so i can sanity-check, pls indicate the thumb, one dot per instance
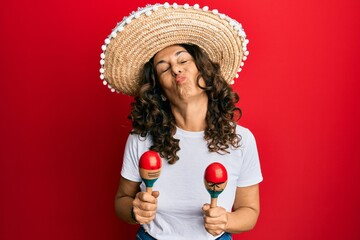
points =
(155, 194)
(206, 207)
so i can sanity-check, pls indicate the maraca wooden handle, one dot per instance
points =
(213, 202)
(149, 190)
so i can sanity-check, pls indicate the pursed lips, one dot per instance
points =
(180, 79)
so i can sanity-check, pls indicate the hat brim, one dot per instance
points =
(141, 36)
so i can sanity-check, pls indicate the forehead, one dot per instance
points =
(170, 51)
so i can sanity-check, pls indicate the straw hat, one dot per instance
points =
(145, 32)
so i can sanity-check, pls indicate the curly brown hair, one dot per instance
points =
(153, 117)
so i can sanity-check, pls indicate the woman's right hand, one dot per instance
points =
(145, 206)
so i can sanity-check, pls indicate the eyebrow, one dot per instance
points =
(176, 55)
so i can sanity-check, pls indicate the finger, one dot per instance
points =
(209, 212)
(206, 207)
(155, 194)
(144, 206)
(214, 221)
(216, 232)
(144, 216)
(144, 220)
(211, 220)
(213, 229)
(216, 212)
(146, 197)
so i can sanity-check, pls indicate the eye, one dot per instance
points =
(164, 70)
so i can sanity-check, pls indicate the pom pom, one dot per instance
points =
(128, 20)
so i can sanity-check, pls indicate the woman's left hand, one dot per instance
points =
(215, 219)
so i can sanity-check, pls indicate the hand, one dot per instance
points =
(145, 206)
(215, 219)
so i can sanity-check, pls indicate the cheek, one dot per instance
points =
(165, 82)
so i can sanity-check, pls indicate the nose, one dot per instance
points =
(176, 69)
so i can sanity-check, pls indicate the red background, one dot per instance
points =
(63, 132)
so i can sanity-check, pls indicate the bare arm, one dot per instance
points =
(124, 199)
(246, 210)
(129, 196)
(245, 213)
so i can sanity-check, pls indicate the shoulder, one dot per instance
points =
(244, 132)
(247, 137)
(137, 141)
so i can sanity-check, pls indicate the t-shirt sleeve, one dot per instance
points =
(130, 166)
(250, 172)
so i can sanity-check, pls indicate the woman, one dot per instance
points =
(185, 110)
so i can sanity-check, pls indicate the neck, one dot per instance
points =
(191, 116)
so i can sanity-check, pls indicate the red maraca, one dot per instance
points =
(150, 168)
(215, 179)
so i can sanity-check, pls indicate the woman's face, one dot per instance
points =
(177, 74)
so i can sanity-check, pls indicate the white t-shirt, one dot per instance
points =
(181, 185)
